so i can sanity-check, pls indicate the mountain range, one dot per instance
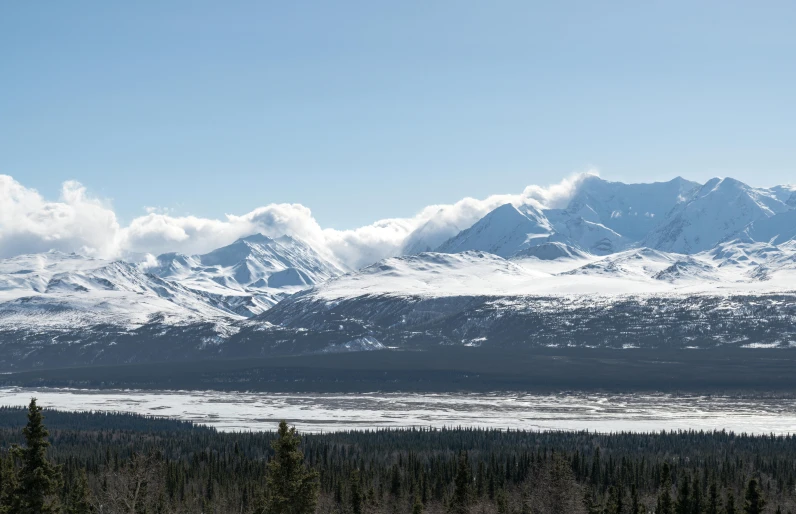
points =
(680, 247)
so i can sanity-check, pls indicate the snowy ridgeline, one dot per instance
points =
(722, 255)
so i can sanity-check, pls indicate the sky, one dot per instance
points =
(362, 111)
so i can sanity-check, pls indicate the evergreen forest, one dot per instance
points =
(77, 463)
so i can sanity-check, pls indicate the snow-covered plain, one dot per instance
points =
(331, 412)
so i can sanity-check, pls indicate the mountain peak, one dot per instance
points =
(503, 231)
(718, 184)
(257, 238)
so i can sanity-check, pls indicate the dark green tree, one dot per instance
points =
(462, 493)
(502, 502)
(8, 483)
(356, 493)
(590, 502)
(729, 508)
(417, 508)
(38, 481)
(291, 488)
(754, 499)
(79, 501)
(595, 468)
(697, 499)
(714, 500)
(665, 504)
(683, 503)
(613, 505)
(395, 481)
(635, 504)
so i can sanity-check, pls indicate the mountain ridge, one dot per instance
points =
(723, 246)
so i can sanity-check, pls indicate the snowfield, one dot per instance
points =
(329, 412)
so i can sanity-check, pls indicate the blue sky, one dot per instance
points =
(366, 110)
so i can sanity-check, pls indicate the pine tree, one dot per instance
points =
(714, 501)
(595, 468)
(683, 503)
(664, 505)
(462, 492)
(480, 480)
(8, 483)
(356, 492)
(754, 499)
(697, 501)
(635, 505)
(590, 502)
(502, 502)
(730, 507)
(417, 508)
(38, 481)
(395, 481)
(80, 497)
(291, 487)
(613, 505)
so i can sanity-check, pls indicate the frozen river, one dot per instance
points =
(328, 412)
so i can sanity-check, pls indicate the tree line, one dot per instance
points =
(122, 463)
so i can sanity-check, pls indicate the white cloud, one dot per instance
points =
(78, 222)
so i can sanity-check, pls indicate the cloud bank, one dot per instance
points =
(78, 222)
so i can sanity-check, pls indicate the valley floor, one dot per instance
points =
(453, 369)
(329, 412)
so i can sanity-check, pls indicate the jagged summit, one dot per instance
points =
(603, 218)
(715, 212)
(504, 231)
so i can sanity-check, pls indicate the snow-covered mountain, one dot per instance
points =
(778, 229)
(71, 291)
(504, 231)
(719, 209)
(263, 268)
(631, 210)
(231, 283)
(604, 218)
(601, 218)
(429, 235)
(672, 261)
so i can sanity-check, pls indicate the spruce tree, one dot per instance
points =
(417, 508)
(38, 481)
(502, 502)
(730, 507)
(590, 502)
(754, 499)
(356, 492)
(613, 505)
(683, 503)
(462, 493)
(79, 501)
(8, 483)
(665, 505)
(697, 500)
(595, 468)
(635, 505)
(291, 487)
(714, 501)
